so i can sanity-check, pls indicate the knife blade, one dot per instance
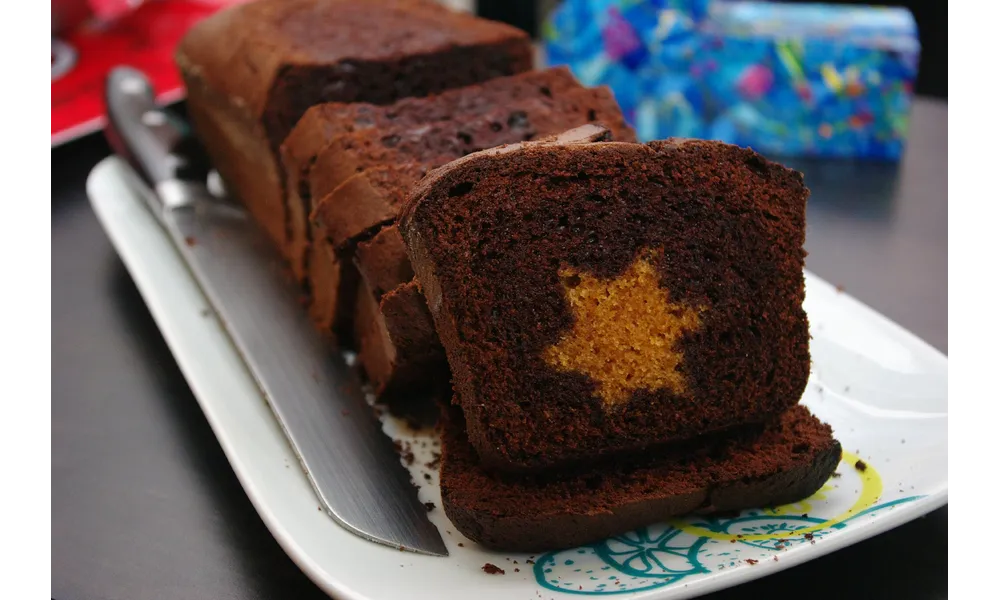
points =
(315, 395)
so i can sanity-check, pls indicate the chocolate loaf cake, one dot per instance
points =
(251, 70)
(599, 298)
(410, 150)
(323, 123)
(787, 460)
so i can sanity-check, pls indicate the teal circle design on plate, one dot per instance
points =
(662, 555)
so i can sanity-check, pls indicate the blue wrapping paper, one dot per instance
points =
(790, 80)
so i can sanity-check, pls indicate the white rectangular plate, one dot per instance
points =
(884, 391)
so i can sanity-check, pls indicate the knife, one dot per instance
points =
(314, 394)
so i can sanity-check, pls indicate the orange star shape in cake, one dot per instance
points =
(625, 333)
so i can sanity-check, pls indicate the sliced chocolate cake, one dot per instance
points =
(784, 461)
(325, 122)
(356, 190)
(252, 70)
(399, 350)
(599, 298)
(434, 144)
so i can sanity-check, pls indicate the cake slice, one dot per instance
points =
(323, 123)
(398, 348)
(599, 298)
(251, 71)
(785, 461)
(369, 202)
(383, 262)
(349, 208)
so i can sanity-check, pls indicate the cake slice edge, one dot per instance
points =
(787, 461)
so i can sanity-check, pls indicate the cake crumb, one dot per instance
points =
(840, 288)
(861, 465)
(427, 476)
(835, 475)
(808, 536)
(775, 559)
(190, 241)
(461, 545)
(435, 460)
(530, 562)
(404, 451)
(751, 562)
(516, 570)
(492, 569)
(429, 506)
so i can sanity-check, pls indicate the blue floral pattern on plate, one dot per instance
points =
(665, 554)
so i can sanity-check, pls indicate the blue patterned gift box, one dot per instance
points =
(788, 80)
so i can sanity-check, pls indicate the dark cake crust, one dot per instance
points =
(489, 235)
(787, 461)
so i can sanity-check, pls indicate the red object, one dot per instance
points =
(112, 9)
(143, 38)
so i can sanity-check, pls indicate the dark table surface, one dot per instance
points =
(145, 505)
